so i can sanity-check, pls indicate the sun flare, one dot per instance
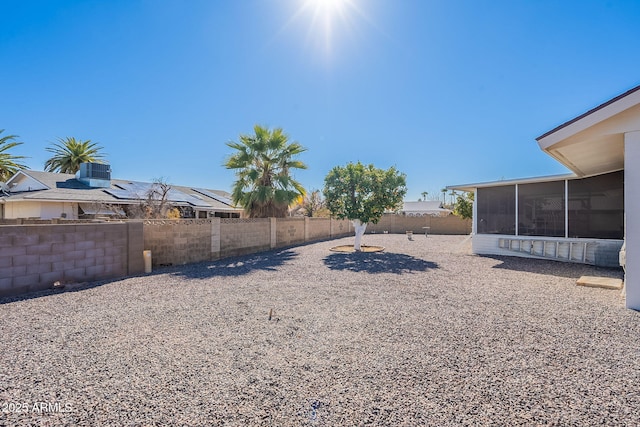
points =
(328, 19)
(327, 7)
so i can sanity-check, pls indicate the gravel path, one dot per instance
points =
(421, 334)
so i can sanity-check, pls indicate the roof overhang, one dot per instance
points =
(472, 187)
(593, 143)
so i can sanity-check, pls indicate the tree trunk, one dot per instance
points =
(360, 228)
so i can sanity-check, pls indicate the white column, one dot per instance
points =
(632, 215)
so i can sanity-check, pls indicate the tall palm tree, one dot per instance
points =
(444, 195)
(424, 195)
(68, 153)
(263, 164)
(453, 195)
(9, 163)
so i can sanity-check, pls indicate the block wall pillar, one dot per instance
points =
(215, 238)
(274, 234)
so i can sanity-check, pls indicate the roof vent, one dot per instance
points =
(95, 174)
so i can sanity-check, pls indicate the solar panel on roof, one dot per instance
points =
(140, 190)
(214, 196)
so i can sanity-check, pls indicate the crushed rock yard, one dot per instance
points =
(423, 333)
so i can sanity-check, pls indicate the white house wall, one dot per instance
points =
(632, 218)
(43, 210)
(59, 210)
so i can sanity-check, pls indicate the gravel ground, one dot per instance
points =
(421, 334)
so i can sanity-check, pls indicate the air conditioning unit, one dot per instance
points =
(95, 174)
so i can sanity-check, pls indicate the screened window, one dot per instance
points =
(541, 209)
(496, 209)
(596, 206)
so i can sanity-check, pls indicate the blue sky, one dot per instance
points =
(449, 92)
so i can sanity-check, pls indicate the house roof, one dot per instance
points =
(473, 186)
(593, 142)
(48, 186)
(425, 207)
(420, 205)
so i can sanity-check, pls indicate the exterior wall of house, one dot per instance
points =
(22, 210)
(600, 252)
(42, 210)
(33, 257)
(632, 218)
(59, 210)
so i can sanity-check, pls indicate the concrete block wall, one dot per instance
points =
(290, 231)
(242, 236)
(317, 228)
(33, 257)
(174, 242)
(393, 223)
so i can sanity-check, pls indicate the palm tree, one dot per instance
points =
(263, 161)
(9, 163)
(68, 153)
(444, 195)
(453, 195)
(424, 195)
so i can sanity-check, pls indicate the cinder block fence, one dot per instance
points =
(174, 242)
(34, 256)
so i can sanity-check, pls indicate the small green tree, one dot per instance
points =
(263, 164)
(9, 163)
(68, 153)
(463, 207)
(362, 193)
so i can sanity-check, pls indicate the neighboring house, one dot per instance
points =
(423, 208)
(585, 216)
(92, 193)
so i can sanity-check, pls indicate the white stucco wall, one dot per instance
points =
(632, 217)
(22, 210)
(43, 210)
(56, 209)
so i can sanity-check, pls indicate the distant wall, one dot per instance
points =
(33, 257)
(393, 223)
(176, 242)
(36, 253)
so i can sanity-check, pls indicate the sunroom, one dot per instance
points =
(564, 217)
(583, 217)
